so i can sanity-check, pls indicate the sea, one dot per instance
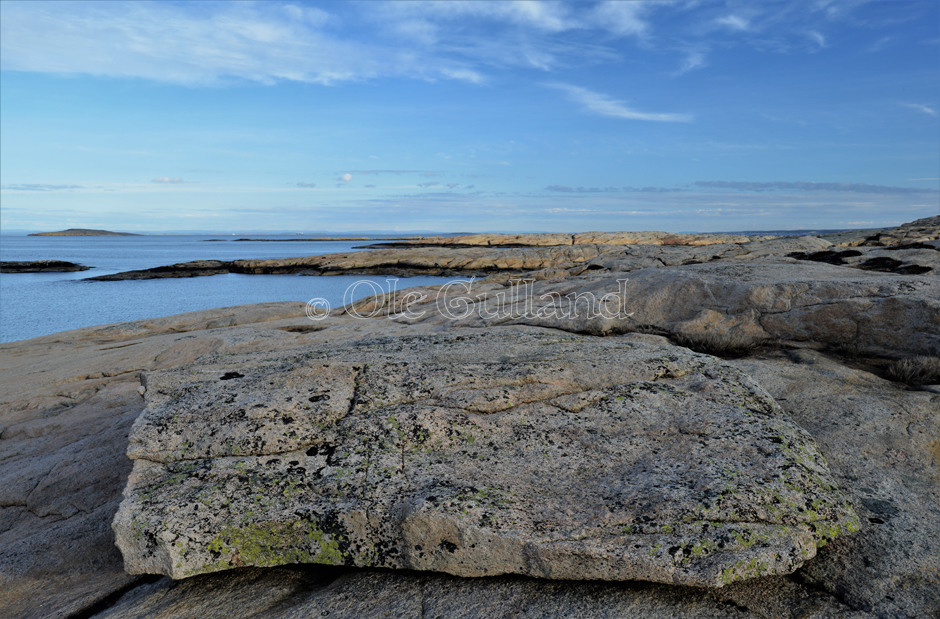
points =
(35, 304)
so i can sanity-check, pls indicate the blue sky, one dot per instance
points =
(469, 116)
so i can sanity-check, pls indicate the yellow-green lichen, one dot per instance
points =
(269, 544)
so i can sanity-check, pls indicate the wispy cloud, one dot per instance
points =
(604, 105)
(694, 60)
(811, 186)
(39, 187)
(817, 37)
(428, 18)
(269, 42)
(306, 185)
(396, 172)
(204, 44)
(734, 22)
(920, 107)
(623, 18)
(167, 180)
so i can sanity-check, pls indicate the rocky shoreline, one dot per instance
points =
(912, 249)
(710, 429)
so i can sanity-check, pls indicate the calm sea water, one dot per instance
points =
(34, 304)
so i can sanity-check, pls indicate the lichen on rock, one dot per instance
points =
(516, 450)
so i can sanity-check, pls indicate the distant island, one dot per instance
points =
(83, 232)
(41, 266)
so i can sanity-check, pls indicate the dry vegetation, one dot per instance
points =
(721, 344)
(915, 370)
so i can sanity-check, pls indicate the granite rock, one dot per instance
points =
(533, 453)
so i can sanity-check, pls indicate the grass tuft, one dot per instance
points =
(915, 370)
(720, 344)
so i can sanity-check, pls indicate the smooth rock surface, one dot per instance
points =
(548, 455)
(755, 302)
(48, 406)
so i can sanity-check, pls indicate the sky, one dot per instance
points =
(344, 117)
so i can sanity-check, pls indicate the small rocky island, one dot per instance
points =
(701, 426)
(83, 232)
(40, 266)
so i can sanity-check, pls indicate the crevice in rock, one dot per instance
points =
(112, 598)
(810, 585)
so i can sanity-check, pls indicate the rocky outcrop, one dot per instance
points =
(919, 231)
(416, 261)
(751, 303)
(915, 252)
(911, 249)
(560, 457)
(69, 401)
(581, 238)
(40, 266)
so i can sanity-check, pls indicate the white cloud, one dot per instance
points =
(202, 44)
(604, 105)
(734, 22)
(695, 60)
(168, 180)
(817, 37)
(346, 177)
(465, 75)
(544, 16)
(920, 107)
(267, 42)
(621, 18)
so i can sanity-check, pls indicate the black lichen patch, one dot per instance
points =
(448, 545)
(231, 375)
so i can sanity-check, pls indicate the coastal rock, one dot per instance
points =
(911, 250)
(752, 302)
(67, 403)
(523, 452)
(882, 442)
(297, 592)
(40, 266)
(400, 262)
(65, 392)
(908, 259)
(560, 238)
(919, 231)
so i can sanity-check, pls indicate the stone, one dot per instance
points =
(754, 301)
(302, 591)
(67, 403)
(882, 442)
(525, 452)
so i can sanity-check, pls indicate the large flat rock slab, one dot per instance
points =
(508, 451)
